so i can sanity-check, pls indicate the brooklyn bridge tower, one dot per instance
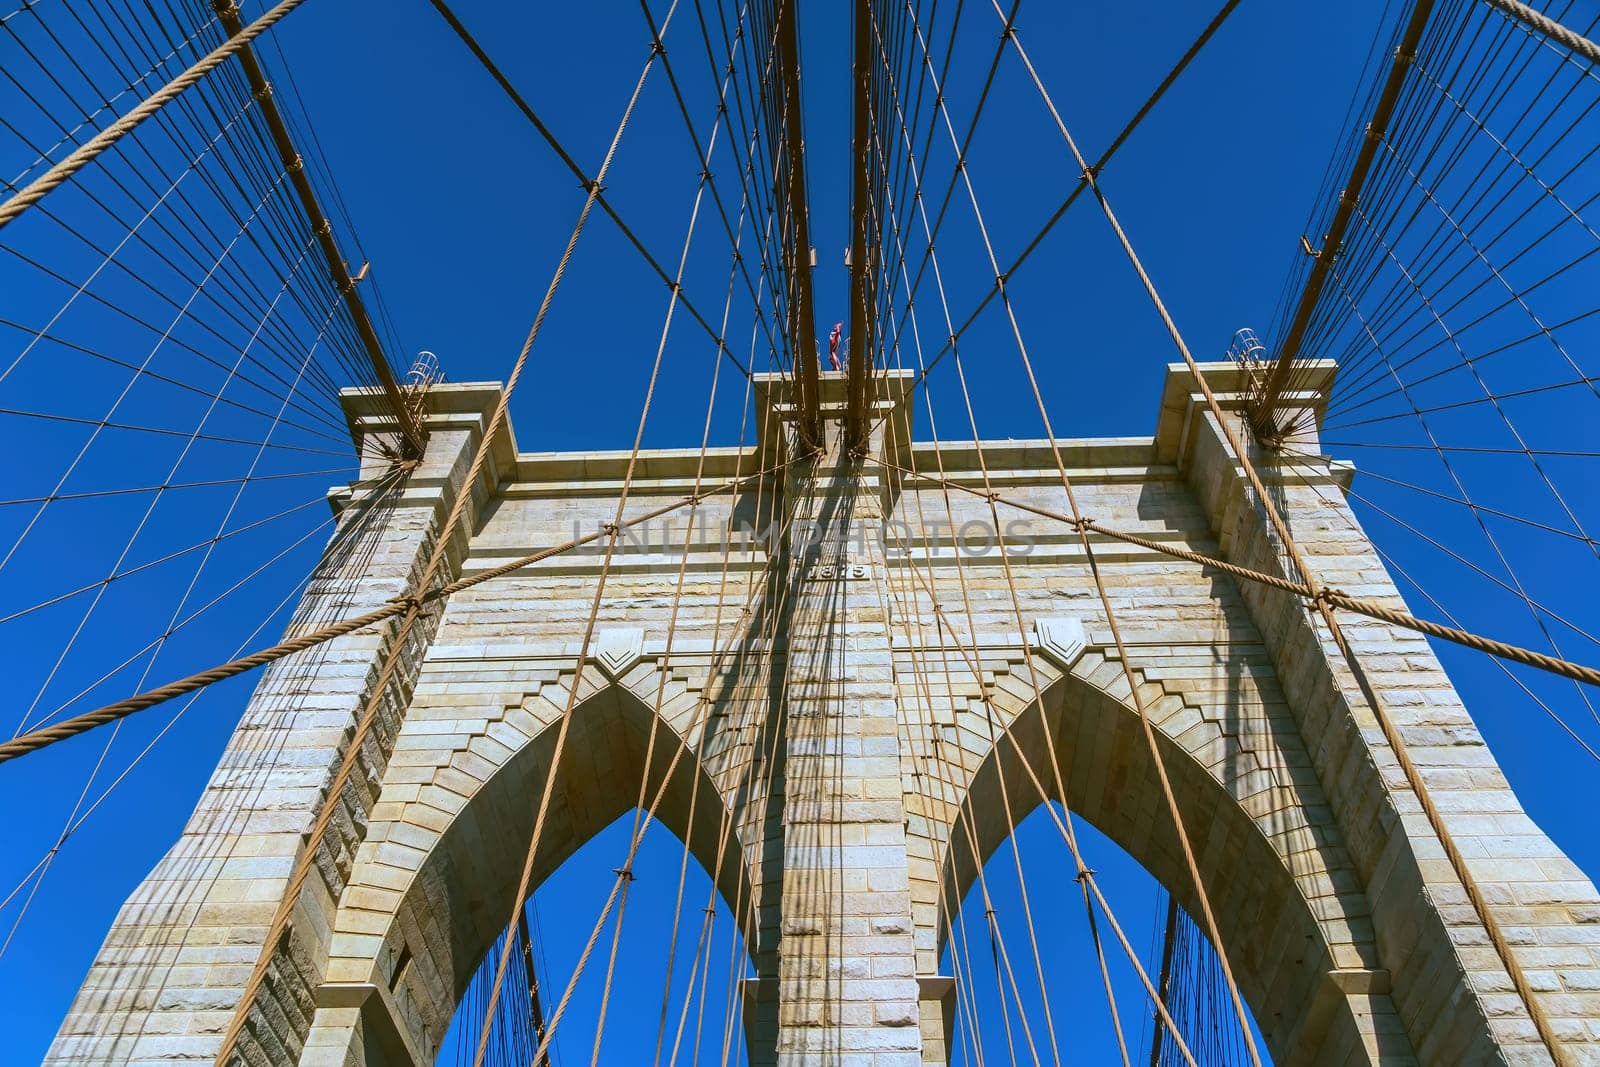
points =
(897, 706)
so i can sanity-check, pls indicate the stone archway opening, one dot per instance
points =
(1293, 935)
(1012, 1003)
(678, 978)
(430, 903)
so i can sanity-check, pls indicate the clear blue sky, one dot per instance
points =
(463, 212)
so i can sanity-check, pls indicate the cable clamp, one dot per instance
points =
(1327, 594)
(624, 873)
(408, 601)
(298, 163)
(610, 528)
(265, 92)
(1081, 524)
(1084, 874)
(657, 48)
(592, 186)
(705, 175)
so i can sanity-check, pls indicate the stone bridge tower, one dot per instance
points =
(851, 742)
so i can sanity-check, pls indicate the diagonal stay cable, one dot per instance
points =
(1393, 565)
(207, 483)
(1311, 594)
(704, 154)
(118, 575)
(89, 150)
(591, 185)
(1082, 183)
(1537, 609)
(38, 739)
(1437, 495)
(158, 430)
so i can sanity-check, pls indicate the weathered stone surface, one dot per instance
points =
(860, 711)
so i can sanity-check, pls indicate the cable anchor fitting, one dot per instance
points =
(409, 601)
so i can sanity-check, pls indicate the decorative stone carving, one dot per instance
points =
(618, 649)
(1062, 639)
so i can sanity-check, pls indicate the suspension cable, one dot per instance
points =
(81, 157)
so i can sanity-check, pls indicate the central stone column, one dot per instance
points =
(847, 985)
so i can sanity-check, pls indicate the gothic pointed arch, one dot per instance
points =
(1295, 922)
(434, 882)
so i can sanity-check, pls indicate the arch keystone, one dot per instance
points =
(618, 649)
(1061, 638)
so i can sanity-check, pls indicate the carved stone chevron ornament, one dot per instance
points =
(1061, 638)
(618, 649)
